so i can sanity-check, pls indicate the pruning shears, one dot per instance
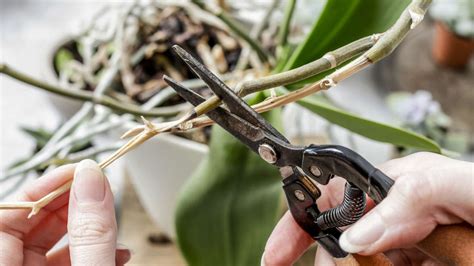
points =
(302, 168)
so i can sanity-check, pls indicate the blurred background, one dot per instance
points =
(425, 86)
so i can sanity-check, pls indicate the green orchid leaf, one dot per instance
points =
(230, 205)
(368, 128)
(341, 22)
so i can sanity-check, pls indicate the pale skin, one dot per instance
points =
(429, 190)
(86, 213)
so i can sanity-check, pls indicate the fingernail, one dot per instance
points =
(262, 260)
(89, 182)
(363, 234)
(125, 254)
(121, 246)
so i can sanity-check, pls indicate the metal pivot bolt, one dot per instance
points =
(267, 153)
(315, 170)
(299, 195)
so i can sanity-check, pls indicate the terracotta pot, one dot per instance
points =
(449, 49)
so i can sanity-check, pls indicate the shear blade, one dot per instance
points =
(187, 94)
(235, 104)
(241, 129)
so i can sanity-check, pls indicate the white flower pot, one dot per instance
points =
(158, 170)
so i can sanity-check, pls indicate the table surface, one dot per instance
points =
(136, 237)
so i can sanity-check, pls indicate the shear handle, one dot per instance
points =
(323, 162)
(302, 205)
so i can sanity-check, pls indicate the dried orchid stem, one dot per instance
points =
(261, 107)
(35, 206)
(408, 19)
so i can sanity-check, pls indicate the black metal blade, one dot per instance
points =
(235, 104)
(244, 131)
(190, 96)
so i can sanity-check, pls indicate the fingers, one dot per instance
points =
(10, 247)
(15, 228)
(323, 257)
(92, 228)
(61, 257)
(331, 194)
(286, 243)
(418, 201)
(45, 235)
(15, 222)
(122, 256)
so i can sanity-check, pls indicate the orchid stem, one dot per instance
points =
(86, 96)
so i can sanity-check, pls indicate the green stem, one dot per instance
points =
(328, 61)
(86, 96)
(320, 65)
(410, 17)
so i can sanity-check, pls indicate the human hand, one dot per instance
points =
(430, 190)
(90, 222)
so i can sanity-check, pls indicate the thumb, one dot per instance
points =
(92, 228)
(416, 204)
